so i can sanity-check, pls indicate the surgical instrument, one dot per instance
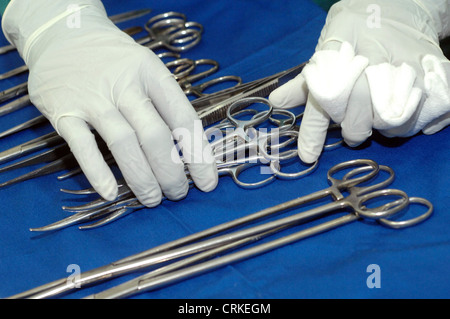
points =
(131, 15)
(58, 158)
(345, 192)
(15, 105)
(14, 72)
(186, 78)
(158, 279)
(212, 108)
(167, 23)
(40, 119)
(66, 162)
(243, 153)
(47, 156)
(47, 140)
(174, 34)
(13, 92)
(162, 23)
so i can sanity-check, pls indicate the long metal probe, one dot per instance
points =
(146, 284)
(123, 266)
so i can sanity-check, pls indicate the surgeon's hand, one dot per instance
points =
(86, 73)
(377, 65)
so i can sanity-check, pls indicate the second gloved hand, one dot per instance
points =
(377, 65)
(92, 75)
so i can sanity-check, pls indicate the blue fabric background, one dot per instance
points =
(251, 39)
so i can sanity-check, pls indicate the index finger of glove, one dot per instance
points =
(313, 131)
(291, 94)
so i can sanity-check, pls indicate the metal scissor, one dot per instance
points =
(42, 142)
(56, 154)
(213, 107)
(171, 31)
(185, 76)
(353, 193)
(249, 154)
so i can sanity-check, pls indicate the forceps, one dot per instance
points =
(106, 212)
(38, 143)
(58, 158)
(185, 76)
(212, 108)
(126, 202)
(245, 136)
(348, 193)
(171, 31)
(227, 165)
(14, 92)
(167, 22)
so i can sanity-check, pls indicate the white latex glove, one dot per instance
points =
(377, 65)
(85, 72)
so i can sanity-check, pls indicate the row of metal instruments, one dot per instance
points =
(242, 134)
(245, 133)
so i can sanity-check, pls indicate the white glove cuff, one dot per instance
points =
(25, 21)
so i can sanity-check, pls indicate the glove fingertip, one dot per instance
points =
(108, 191)
(308, 154)
(354, 139)
(291, 94)
(204, 176)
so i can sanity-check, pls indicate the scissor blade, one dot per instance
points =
(7, 48)
(30, 123)
(13, 92)
(75, 219)
(122, 17)
(16, 71)
(15, 105)
(66, 162)
(124, 191)
(48, 140)
(44, 157)
(119, 213)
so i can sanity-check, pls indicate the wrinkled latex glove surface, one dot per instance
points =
(85, 73)
(377, 65)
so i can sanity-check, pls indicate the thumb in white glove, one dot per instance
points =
(97, 76)
(437, 89)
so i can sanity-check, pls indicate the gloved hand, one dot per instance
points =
(377, 65)
(85, 72)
